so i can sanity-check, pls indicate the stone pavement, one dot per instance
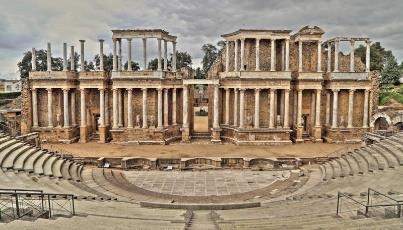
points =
(204, 183)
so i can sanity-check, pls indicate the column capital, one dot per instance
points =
(144, 39)
(101, 89)
(368, 42)
(82, 41)
(101, 40)
(319, 42)
(159, 89)
(82, 89)
(129, 89)
(129, 39)
(257, 89)
(242, 89)
(66, 89)
(352, 42)
(367, 90)
(335, 90)
(48, 89)
(258, 39)
(286, 90)
(351, 90)
(144, 89)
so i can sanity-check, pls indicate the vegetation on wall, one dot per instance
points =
(390, 94)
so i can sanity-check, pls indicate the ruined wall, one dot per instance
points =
(26, 108)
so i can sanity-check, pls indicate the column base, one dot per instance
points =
(216, 135)
(317, 134)
(102, 134)
(185, 134)
(83, 134)
(300, 130)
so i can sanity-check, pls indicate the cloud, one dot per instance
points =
(26, 24)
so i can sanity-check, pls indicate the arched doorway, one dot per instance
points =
(381, 124)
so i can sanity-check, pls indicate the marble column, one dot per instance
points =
(73, 107)
(34, 108)
(83, 117)
(236, 55)
(257, 68)
(282, 55)
(33, 59)
(173, 56)
(65, 56)
(50, 108)
(66, 108)
(227, 92)
(107, 120)
(115, 60)
(120, 108)
(159, 59)
(185, 106)
(120, 54)
(286, 124)
(145, 123)
(82, 61)
(174, 122)
(159, 126)
(300, 56)
(328, 101)
(317, 110)
(101, 107)
(242, 54)
(352, 42)
(101, 54)
(145, 54)
(350, 108)
(235, 107)
(165, 55)
(129, 108)
(367, 56)
(226, 56)
(365, 112)
(299, 108)
(216, 124)
(319, 56)
(335, 107)
(49, 57)
(336, 56)
(329, 57)
(273, 55)
(72, 64)
(271, 112)
(129, 54)
(166, 108)
(287, 54)
(257, 109)
(241, 108)
(115, 108)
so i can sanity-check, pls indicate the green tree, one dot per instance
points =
(199, 74)
(391, 72)
(108, 62)
(153, 64)
(210, 55)
(25, 64)
(183, 59)
(135, 65)
(376, 58)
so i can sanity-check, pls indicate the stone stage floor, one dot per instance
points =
(204, 183)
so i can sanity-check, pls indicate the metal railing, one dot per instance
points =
(19, 203)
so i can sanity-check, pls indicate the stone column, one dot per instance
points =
(165, 55)
(319, 56)
(72, 59)
(336, 56)
(115, 108)
(241, 108)
(235, 107)
(185, 107)
(242, 54)
(101, 107)
(34, 109)
(173, 57)
(287, 54)
(352, 56)
(120, 55)
(82, 65)
(49, 57)
(286, 124)
(64, 56)
(120, 108)
(33, 59)
(160, 126)
(144, 53)
(115, 61)
(271, 112)
(83, 117)
(367, 56)
(145, 123)
(282, 55)
(257, 54)
(329, 57)
(101, 54)
(216, 124)
(159, 59)
(129, 54)
(335, 107)
(350, 108)
(107, 107)
(328, 108)
(129, 108)
(166, 108)
(226, 56)
(273, 55)
(227, 92)
(299, 108)
(174, 106)
(365, 113)
(300, 56)
(236, 55)
(317, 110)
(50, 108)
(66, 108)
(257, 109)
(73, 107)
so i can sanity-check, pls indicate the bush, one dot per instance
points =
(12, 95)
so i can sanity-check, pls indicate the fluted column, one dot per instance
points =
(327, 108)
(227, 92)
(129, 54)
(319, 56)
(34, 109)
(120, 108)
(273, 55)
(174, 122)
(66, 108)
(335, 107)
(257, 109)
(185, 106)
(33, 59)
(49, 57)
(287, 54)
(145, 123)
(165, 55)
(226, 56)
(329, 57)
(352, 42)
(107, 120)
(367, 56)
(101, 54)
(317, 110)
(144, 53)
(120, 54)
(159, 126)
(300, 56)
(159, 59)
(115, 108)
(115, 59)
(82, 59)
(365, 112)
(166, 108)
(64, 56)
(242, 54)
(216, 123)
(241, 108)
(336, 56)
(350, 108)
(83, 115)
(236, 55)
(271, 112)
(73, 107)
(72, 59)
(129, 108)
(286, 108)
(235, 107)
(299, 108)
(257, 68)
(101, 107)
(173, 57)
(50, 109)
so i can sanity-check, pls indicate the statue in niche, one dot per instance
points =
(249, 120)
(58, 120)
(138, 121)
(152, 121)
(342, 122)
(279, 123)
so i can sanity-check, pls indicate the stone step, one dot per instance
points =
(65, 169)
(57, 168)
(40, 163)
(380, 160)
(74, 172)
(368, 158)
(394, 150)
(48, 165)
(29, 162)
(390, 158)
(345, 167)
(356, 166)
(8, 150)
(9, 161)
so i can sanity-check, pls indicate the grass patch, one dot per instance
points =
(388, 93)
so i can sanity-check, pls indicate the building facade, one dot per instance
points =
(266, 87)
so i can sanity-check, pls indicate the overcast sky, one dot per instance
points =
(31, 23)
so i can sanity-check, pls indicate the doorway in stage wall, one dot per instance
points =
(200, 112)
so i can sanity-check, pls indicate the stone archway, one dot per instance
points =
(381, 121)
